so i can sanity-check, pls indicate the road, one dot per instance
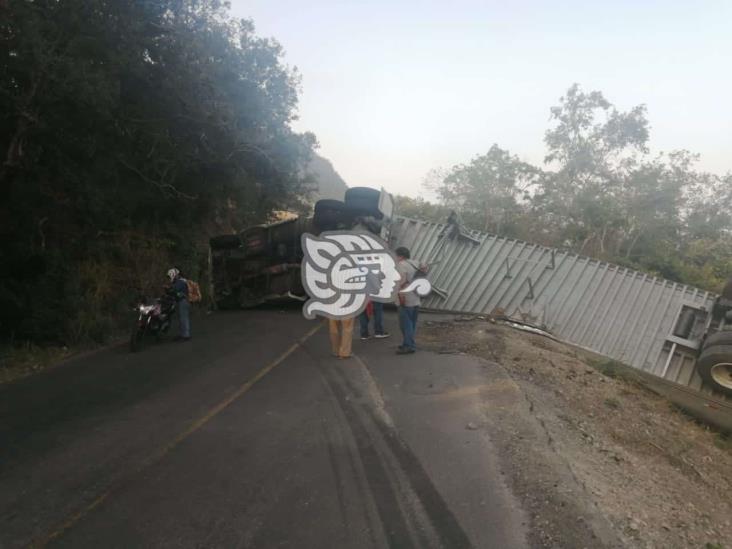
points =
(252, 435)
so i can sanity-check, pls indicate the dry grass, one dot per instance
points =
(661, 478)
(21, 361)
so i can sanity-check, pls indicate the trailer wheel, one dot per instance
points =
(364, 200)
(328, 214)
(715, 368)
(365, 195)
(719, 338)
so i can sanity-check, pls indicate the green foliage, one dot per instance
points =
(609, 368)
(23, 359)
(419, 208)
(127, 125)
(489, 191)
(329, 183)
(601, 194)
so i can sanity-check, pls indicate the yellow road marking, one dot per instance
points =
(157, 456)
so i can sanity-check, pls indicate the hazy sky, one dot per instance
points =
(395, 88)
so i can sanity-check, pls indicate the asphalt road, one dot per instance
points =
(252, 435)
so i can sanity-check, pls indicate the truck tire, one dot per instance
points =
(364, 200)
(328, 214)
(720, 338)
(363, 195)
(715, 368)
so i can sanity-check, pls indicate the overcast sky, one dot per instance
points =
(394, 88)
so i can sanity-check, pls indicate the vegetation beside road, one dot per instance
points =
(601, 192)
(131, 131)
(587, 444)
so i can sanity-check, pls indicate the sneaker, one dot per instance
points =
(404, 351)
(364, 338)
(382, 336)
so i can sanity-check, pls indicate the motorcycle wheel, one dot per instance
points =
(137, 339)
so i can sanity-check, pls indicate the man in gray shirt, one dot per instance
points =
(409, 303)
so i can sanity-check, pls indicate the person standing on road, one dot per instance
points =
(341, 337)
(409, 302)
(375, 309)
(179, 288)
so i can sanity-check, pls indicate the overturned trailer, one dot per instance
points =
(262, 263)
(669, 330)
(673, 331)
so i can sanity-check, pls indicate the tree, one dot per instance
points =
(419, 208)
(587, 145)
(130, 127)
(648, 201)
(602, 194)
(491, 191)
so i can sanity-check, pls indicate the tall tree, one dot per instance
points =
(586, 146)
(490, 191)
(602, 194)
(127, 124)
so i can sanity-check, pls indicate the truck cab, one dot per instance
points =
(262, 263)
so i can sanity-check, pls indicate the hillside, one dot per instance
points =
(330, 183)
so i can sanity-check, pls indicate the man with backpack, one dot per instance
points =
(409, 302)
(179, 288)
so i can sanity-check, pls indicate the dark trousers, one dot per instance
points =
(184, 317)
(408, 325)
(363, 319)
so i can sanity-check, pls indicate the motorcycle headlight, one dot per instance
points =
(144, 309)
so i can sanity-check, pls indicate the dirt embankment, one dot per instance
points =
(602, 461)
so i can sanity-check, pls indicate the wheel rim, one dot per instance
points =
(722, 374)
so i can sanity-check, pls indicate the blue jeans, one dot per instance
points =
(408, 325)
(184, 316)
(363, 319)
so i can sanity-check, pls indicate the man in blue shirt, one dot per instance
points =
(179, 287)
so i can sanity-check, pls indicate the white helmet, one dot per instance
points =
(173, 274)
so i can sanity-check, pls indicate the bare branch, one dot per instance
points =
(163, 187)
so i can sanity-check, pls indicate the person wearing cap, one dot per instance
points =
(179, 288)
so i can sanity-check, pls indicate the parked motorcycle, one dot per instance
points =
(153, 320)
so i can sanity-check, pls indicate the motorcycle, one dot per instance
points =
(153, 320)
